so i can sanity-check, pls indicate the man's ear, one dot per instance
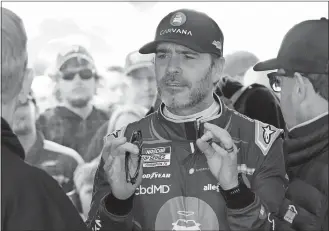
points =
(300, 87)
(217, 68)
(26, 85)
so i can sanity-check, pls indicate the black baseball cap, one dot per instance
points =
(303, 49)
(189, 28)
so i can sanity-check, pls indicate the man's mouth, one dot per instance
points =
(175, 85)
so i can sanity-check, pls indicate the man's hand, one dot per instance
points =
(221, 155)
(113, 154)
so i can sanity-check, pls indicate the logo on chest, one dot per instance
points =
(211, 187)
(156, 175)
(156, 157)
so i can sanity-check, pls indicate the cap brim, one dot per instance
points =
(271, 64)
(151, 47)
(138, 66)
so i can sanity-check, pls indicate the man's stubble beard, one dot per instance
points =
(196, 96)
(22, 128)
(79, 103)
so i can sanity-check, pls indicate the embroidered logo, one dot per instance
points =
(217, 44)
(267, 133)
(178, 19)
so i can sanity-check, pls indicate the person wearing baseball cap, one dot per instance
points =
(301, 76)
(188, 174)
(140, 69)
(75, 120)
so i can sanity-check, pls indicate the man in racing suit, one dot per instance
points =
(204, 166)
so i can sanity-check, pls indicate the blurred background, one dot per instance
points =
(110, 30)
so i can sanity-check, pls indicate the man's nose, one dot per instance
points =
(173, 66)
(76, 77)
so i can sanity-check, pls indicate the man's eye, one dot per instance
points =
(161, 56)
(188, 57)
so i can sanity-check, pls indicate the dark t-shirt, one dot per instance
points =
(64, 127)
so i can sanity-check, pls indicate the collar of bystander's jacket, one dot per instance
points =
(37, 146)
(306, 142)
(10, 140)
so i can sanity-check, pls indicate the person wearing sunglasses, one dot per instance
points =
(75, 120)
(194, 164)
(30, 198)
(301, 77)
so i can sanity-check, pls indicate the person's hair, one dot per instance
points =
(214, 57)
(320, 84)
(13, 54)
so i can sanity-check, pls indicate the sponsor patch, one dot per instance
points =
(290, 214)
(243, 116)
(153, 189)
(211, 187)
(156, 175)
(176, 31)
(156, 157)
(115, 134)
(217, 44)
(265, 135)
(262, 213)
(178, 19)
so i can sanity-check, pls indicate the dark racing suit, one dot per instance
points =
(178, 191)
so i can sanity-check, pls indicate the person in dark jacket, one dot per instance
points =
(75, 121)
(253, 99)
(140, 100)
(30, 198)
(302, 79)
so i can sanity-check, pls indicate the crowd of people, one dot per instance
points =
(182, 137)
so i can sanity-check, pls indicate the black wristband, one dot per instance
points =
(238, 197)
(118, 207)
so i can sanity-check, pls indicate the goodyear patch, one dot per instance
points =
(156, 157)
(265, 135)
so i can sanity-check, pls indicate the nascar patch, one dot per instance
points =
(156, 157)
(265, 135)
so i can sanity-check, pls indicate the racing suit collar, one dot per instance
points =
(217, 100)
(191, 129)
